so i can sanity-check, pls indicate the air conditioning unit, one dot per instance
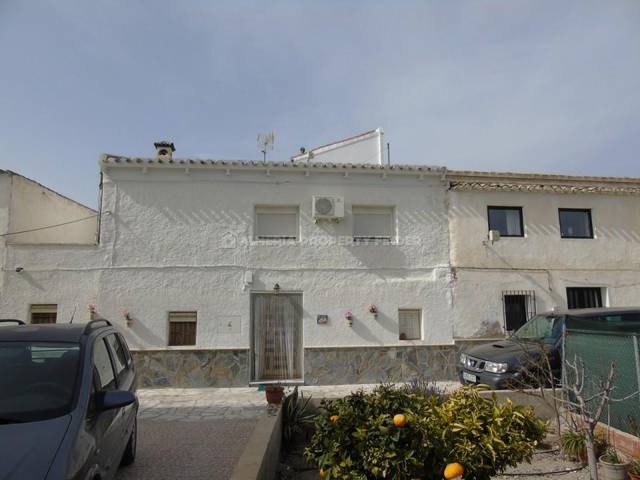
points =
(326, 207)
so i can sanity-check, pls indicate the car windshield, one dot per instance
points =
(545, 328)
(37, 380)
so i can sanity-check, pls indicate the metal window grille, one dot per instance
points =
(518, 306)
(182, 328)
(584, 297)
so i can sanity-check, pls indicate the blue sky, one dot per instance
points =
(542, 86)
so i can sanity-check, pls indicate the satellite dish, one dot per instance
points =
(265, 143)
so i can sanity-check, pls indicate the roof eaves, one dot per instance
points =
(108, 160)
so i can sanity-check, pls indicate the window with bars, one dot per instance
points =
(182, 328)
(43, 313)
(372, 224)
(276, 223)
(410, 324)
(518, 307)
(584, 297)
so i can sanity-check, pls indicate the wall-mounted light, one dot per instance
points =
(276, 288)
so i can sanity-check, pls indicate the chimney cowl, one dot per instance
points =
(164, 150)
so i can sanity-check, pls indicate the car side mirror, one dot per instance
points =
(111, 399)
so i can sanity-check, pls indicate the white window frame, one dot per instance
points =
(374, 210)
(420, 323)
(275, 210)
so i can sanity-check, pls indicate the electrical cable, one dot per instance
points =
(48, 226)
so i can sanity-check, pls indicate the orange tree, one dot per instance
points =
(366, 443)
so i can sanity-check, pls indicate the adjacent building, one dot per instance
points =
(332, 267)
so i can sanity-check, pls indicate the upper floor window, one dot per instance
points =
(276, 223)
(372, 224)
(44, 313)
(575, 223)
(506, 220)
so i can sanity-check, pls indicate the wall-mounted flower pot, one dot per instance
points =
(349, 318)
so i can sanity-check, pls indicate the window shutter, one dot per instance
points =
(276, 223)
(372, 223)
(44, 313)
(410, 324)
(182, 328)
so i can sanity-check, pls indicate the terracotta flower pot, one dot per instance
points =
(274, 395)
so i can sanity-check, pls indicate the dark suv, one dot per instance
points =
(504, 364)
(68, 402)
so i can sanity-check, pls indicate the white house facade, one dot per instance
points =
(563, 242)
(225, 273)
(333, 267)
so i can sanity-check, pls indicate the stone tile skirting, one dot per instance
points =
(322, 366)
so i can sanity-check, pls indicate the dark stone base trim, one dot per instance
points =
(322, 366)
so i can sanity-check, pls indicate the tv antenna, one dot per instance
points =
(265, 143)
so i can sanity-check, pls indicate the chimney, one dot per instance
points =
(164, 150)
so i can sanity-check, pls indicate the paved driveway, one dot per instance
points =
(199, 433)
(192, 433)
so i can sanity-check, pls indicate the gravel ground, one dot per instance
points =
(546, 462)
(187, 450)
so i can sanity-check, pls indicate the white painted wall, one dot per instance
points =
(362, 149)
(34, 206)
(172, 241)
(5, 199)
(541, 260)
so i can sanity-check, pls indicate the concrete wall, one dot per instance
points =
(541, 260)
(33, 206)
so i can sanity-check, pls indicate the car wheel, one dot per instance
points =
(130, 451)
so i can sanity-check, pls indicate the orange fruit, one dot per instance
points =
(453, 470)
(400, 420)
(334, 418)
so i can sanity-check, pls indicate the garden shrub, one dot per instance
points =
(363, 443)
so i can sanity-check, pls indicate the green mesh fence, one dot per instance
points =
(598, 350)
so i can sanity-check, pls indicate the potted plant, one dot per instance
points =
(574, 444)
(373, 310)
(349, 317)
(274, 394)
(127, 316)
(613, 467)
(634, 469)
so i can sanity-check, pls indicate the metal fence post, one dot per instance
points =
(637, 358)
(564, 350)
